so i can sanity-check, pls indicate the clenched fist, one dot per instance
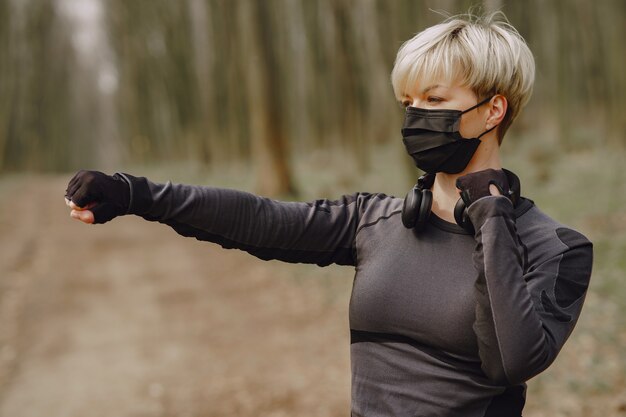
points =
(95, 197)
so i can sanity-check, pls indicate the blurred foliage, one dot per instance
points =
(89, 83)
(109, 84)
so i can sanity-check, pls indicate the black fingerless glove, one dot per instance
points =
(476, 185)
(109, 194)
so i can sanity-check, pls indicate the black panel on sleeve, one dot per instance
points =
(574, 269)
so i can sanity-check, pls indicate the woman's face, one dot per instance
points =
(450, 97)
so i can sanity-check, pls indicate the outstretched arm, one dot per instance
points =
(320, 232)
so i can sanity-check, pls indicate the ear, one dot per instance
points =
(497, 111)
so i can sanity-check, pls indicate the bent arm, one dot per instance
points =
(523, 320)
(321, 232)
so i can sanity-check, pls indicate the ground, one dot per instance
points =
(130, 319)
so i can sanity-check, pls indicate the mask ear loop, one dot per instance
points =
(486, 131)
(477, 105)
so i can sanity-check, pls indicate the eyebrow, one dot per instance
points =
(425, 90)
(432, 87)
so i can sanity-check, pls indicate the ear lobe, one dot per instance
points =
(497, 110)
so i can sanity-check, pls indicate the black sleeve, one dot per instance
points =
(523, 318)
(321, 232)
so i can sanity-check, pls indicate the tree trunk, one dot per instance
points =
(269, 148)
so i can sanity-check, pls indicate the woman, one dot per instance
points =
(464, 290)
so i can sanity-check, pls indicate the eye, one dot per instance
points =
(434, 99)
(405, 103)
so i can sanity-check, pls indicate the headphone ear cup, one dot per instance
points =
(459, 210)
(410, 208)
(461, 218)
(514, 187)
(424, 209)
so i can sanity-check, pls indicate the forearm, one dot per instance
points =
(294, 232)
(513, 345)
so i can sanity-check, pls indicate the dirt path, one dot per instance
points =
(130, 319)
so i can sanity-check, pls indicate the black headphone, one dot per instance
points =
(418, 203)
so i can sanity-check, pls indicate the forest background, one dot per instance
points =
(289, 99)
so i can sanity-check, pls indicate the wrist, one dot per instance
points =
(140, 199)
(125, 192)
(490, 206)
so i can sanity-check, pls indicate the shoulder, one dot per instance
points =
(544, 238)
(363, 202)
(362, 208)
(365, 209)
(377, 206)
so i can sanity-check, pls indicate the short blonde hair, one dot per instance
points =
(484, 53)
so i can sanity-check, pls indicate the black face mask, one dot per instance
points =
(432, 138)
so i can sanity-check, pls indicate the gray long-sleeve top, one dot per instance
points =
(442, 323)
